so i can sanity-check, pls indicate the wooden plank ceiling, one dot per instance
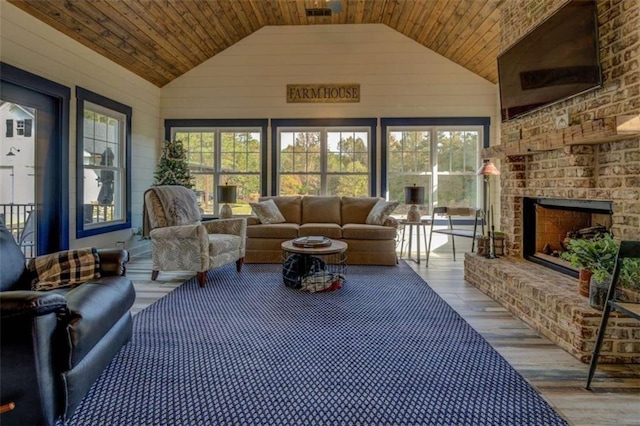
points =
(160, 40)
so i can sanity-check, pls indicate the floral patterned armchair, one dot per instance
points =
(181, 242)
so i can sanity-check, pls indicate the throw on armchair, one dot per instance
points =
(180, 242)
(55, 343)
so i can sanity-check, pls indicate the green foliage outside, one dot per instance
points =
(347, 167)
(410, 162)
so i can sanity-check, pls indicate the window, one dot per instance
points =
(20, 127)
(223, 152)
(103, 158)
(334, 159)
(440, 155)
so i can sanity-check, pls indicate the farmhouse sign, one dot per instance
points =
(323, 93)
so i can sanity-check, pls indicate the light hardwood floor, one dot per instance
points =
(559, 377)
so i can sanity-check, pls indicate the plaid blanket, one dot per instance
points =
(64, 269)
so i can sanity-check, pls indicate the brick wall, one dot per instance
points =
(605, 171)
(545, 299)
(549, 302)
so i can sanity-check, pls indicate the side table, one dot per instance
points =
(422, 225)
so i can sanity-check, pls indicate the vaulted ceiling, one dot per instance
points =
(160, 40)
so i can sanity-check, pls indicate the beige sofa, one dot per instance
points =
(342, 218)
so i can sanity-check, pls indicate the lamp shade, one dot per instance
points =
(488, 169)
(226, 193)
(413, 195)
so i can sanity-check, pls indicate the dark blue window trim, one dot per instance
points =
(53, 235)
(324, 122)
(385, 123)
(235, 122)
(83, 95)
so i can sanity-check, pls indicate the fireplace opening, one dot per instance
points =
(548, 224)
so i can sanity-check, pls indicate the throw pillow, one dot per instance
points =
(381, 211)
(64, 269)
(267, 211)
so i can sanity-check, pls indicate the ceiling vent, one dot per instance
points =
(319, 12)
(332, 6)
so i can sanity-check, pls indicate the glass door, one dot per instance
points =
(17, 168)
(34, 161)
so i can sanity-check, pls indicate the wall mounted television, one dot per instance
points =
(556, 60)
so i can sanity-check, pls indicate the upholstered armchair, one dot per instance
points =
(181, 242)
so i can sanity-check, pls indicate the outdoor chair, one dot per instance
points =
(181, 242)
(449, 213)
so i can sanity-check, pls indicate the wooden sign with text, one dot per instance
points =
(323, 93)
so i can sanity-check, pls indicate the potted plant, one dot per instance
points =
(590, 255)
(601, 280)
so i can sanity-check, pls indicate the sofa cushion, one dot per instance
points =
(330, 230)
(276, 230)
(368, 232)
(321, 209)
(290, 207)
(380, 212)
(67, 268)
(267, 212)
(94, 308)
(356, 209)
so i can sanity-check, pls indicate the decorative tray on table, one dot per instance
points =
(312, 242)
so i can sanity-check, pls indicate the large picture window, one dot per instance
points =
(333, 159)
(441, 156)
(103, 175)
(223, 153)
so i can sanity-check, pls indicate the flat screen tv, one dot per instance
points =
(556, 60)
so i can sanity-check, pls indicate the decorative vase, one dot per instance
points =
(598, 293)
(584, 278)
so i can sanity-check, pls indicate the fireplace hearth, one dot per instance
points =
(549, 222)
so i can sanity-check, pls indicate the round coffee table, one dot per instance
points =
(314, 269)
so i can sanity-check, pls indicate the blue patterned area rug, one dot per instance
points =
(385, 349)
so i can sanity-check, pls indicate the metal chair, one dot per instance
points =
(627, 249)
(449, 212)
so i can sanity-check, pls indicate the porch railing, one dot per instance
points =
(20, 221)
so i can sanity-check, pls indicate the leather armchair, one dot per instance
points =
(181, 242)
(56, 343)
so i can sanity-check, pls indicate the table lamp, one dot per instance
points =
(413, 195)
(226, 195)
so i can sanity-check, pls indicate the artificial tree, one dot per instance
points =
(173, 168)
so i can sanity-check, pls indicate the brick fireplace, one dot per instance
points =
(592, 160)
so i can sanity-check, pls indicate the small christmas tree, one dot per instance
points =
(173, 168)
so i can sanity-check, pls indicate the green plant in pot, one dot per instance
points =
(590, 255)
(599, 256)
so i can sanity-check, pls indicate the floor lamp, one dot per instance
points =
(226, 195)
(487, 170)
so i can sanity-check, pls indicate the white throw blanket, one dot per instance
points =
(180, 205)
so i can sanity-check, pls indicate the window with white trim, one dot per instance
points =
(223, 156)
(324, 161)
(441, 158)
(103, 175)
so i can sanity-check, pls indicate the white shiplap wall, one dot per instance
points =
(398, 77)
(33, 46)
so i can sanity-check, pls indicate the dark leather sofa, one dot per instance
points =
(56, 343)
